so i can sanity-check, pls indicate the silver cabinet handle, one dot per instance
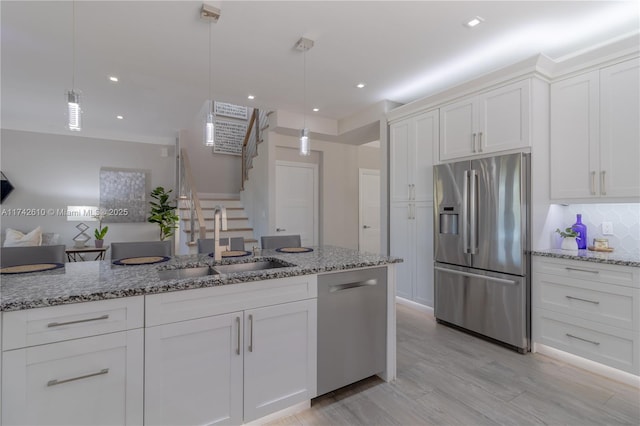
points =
(55, 382)
(480, 142)
(582, 270)
(250, 333)
(584, 340)
(238, 347)
(58, 324)
(593, 183)
(595, 302)
(280, 229)
(473, 142)
(603, 189)
(408, 191)
(345, 286)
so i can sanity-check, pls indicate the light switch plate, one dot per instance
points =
(607, 228)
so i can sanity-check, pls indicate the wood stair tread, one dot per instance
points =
(209, 219)
(228, 230)
(211, 208)
(246, 240)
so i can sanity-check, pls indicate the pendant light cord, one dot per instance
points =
(210, 100)
(73, 45)
(304, 88)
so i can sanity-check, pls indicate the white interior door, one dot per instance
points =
(297, 201)
(369, 235)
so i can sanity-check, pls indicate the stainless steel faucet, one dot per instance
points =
(219, 224)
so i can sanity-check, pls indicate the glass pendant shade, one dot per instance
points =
(209, 130)
(74, 111)
(304, 142)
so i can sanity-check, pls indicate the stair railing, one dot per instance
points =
(252, 138)
(189, 194)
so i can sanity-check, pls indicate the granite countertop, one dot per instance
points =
(591, 256)
(98, 280)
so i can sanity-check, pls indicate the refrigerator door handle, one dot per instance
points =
(473, 213)
(472, 275)
(465, 212)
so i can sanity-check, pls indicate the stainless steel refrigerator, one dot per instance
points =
(481, 248)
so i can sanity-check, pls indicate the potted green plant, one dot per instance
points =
(100, 232)
(163, 212)
(569, 241)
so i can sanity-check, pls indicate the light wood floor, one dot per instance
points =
(447, 377)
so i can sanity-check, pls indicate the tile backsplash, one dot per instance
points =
(624, 217)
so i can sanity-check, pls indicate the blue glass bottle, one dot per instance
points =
(581, 229)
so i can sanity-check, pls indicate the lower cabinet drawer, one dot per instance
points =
(608, 304)
(40, 326)
(598, 342)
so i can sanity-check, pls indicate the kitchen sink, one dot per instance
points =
(178, 274)
(250, 266)
(229, 268)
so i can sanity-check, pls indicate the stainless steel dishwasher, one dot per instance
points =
(352, 326)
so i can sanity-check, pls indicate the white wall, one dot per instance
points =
(54, 171)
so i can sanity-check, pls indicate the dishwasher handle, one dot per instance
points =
(346, 286)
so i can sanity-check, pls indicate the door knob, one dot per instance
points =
(280, 229)
(366, 227)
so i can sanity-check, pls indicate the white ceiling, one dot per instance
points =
(159, 50)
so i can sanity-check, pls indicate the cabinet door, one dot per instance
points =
(193, 372)
(457, 127)
(423, 262)
(401, 159)
(423, 155)
(574, 157)
(279, 357)
(504, 118)
(620, 130)
(402, 244)
(90, 381)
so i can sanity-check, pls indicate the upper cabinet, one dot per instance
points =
(492, 121)
(595, 134)
(413, 143)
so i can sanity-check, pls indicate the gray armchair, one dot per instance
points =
(140, 249)
(15, 256)
(206, 245)
(279, 241)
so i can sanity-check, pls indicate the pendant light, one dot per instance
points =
(74, 112)
(210, 14)
(304, 44)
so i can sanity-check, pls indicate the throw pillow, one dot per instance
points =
(18, 239)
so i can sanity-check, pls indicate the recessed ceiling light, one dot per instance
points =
(113, 78)
(316, 109)
(119, 117)
(251, 97)
(360, 85)
(473, 22)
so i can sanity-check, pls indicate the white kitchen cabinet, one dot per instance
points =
(413, 144)
(193, 371)
(412, 239)
(89, 381)
(588, 309)
(595, 130)
(279, 357)
(230, 367)
(492, 121)
(78, 364)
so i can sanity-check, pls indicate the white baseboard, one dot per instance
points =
(414, 305)
(586, 364)
(219, 195)
(289, 411)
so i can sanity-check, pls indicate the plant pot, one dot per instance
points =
(569, 243)
(99, 243)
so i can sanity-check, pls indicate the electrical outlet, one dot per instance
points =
(607, 228)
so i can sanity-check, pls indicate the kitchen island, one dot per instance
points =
(134, 345)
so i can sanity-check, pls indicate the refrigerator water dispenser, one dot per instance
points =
(449, 221)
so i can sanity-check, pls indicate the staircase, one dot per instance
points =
(237, 221)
